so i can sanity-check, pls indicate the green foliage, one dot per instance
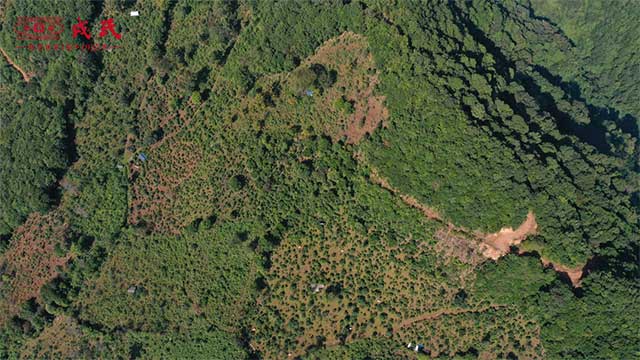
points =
(32, 153)
(489, 148)
(11, 341)
(250, 199)
(163, 267)
(343, 104)
(600, 324)
(382, 349)
(513, 280)
(603, 40)
(100, 208)
(303, 79)
(212, 344)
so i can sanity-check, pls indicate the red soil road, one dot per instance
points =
(499, 244)
(26, 76)
(439, 313)
(574, 274)
(430, 213)
(492, 246)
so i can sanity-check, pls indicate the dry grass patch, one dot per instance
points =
(31, 260)
(349, 108)
(60, 340)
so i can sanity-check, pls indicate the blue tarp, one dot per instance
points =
(142, 157)
(308, 92)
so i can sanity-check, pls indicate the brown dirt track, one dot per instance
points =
(26, 76)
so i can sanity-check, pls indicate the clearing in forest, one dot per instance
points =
(499, 244)
(332, 92)
(347, 101)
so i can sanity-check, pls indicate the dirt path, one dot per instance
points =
(439, 313)
(472, 246)
(492, 246)
(574, 274)
(25, 75)
(407, 199)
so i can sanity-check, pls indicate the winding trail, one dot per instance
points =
(26, 76)
(429, 212)
(492, 246)
(442, 312)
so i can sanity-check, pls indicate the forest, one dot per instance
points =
(357, 179)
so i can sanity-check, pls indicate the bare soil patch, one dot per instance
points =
(499, 244)
(357, 78)
(60, 340)
(574, 274)
(455, 245)
(153, 192)
(368, 114)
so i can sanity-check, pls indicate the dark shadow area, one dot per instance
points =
(593, 133)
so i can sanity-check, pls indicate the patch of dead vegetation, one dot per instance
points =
(182, 180)
(357, 78)
(368, 114)
(60, 340)
(31, 260)
(153, 190)
(455, 245)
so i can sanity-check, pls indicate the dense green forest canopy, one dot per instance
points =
(322, 180)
